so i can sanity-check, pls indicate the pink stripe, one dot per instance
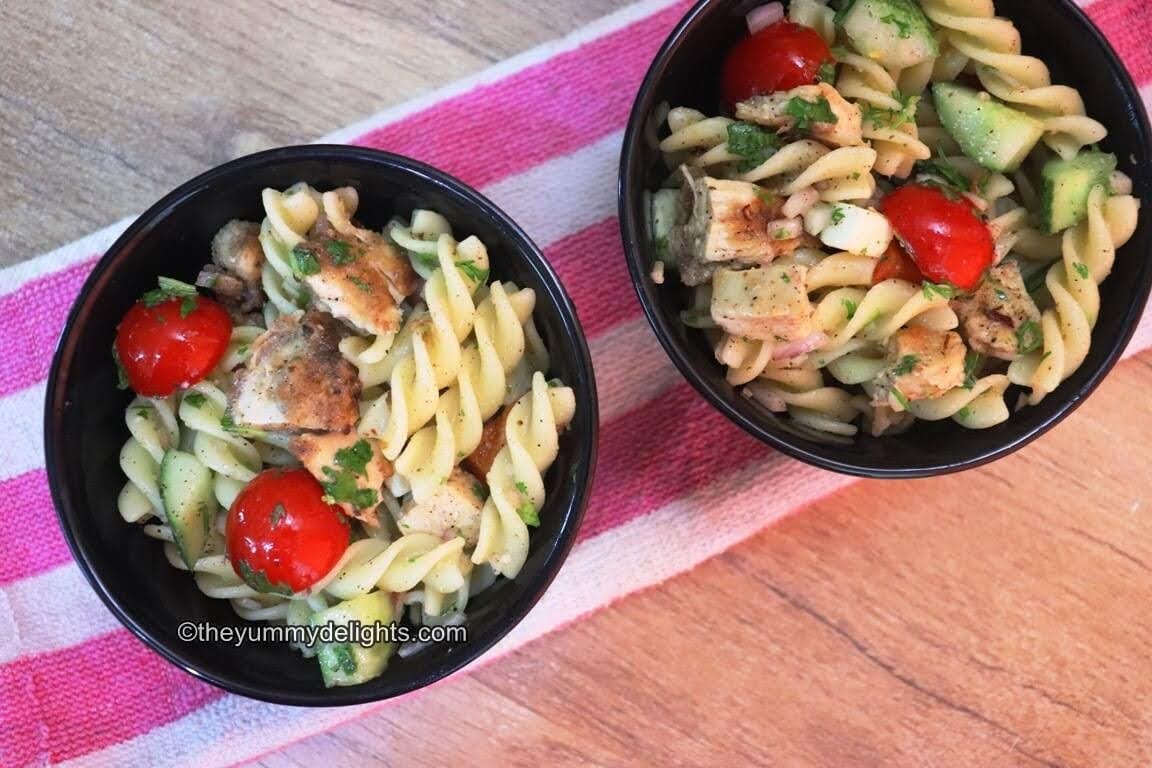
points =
(590, 264)
(28, 507)
(34, 314)
(77, 700)
(1128, 26)
(544, 111)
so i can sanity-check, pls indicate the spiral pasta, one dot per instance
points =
(1089, 251)
(516, 482)
(894, 135)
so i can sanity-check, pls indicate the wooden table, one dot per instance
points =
(997, 618)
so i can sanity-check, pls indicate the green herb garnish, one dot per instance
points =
(900, 398)
(1029, 337)
(781, 234)
(339, 252)
(902, 26)
(527, 512)
(941, 290)
(355, 458)
(808, 113)
(258, 580)
(753, 143)
(972, 364)
(278, 515)
(837, 215)
(474, 273)
(943, 173)
(304, 263)
(172, 289)
(964, 413)
(226, 423)
(1081, 269)
(341, 487)
(827, 73)
(195, 399)
(360, 283)
(906, 365)
(893, 117)
(520, 486)
(850, 308)
(121, 374)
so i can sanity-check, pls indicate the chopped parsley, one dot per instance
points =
(850, 308)
(242, 350)
(753, 143)
(906, 365)
(355, 459)
(172, 289)
(341, 486)
(360, 283)
(226, 423)
(121, 374)
(807, 113)
(781, 234)
(973, 361)
(904, 29)
(474, 273)
(893, 118)
(943, 173)
(827, 73)
(1029, 337)
(258, 580)
(837, 215)
(339, 252)
(784, 277)
(941, 290)
(143, 411)
(1081, 269)
(426, 260)
(527, 512)
(964, 413)
(304, 263)
(520, 486)
(195, 399)
(900, 398)
(278, 515)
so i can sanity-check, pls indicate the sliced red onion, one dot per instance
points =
(764, 16)
(800, 347)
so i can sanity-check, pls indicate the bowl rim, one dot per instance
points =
(630, 183)
(576, 345)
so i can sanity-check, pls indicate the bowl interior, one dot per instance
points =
(85, 418)
(686, 73)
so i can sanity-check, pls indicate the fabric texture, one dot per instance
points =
(76, 688)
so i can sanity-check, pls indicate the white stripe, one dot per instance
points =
(11, 278)
(22, 448)
(48, 611)
(631, 368)
(616, 563)
(506, 68)
(563, 195)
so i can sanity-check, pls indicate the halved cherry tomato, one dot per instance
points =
(779, 57)
(172, 344)
(945, 238)
(896, 264)
(282, 536)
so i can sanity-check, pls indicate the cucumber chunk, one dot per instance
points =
(1067, 184)
(189, 502)
(993, 134)
(895, 33)
(352, 663)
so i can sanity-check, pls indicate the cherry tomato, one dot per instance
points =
(945, 238)
(166, 346)
(282, 536)
(895, 263)
(779, 57)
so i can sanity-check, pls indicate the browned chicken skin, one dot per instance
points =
(923, 364)
(297, 379)
(317, 452)
(491, 441)
(235, 272)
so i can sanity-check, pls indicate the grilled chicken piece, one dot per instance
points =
(317, 452)
(766, 303)
(721, 220)
(491, 441)
(772, 110)
(992, 316)
(453, 510)
(358, 279)
(296, 379)
(234, 274)
(922, 364)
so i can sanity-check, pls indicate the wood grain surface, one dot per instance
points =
(996, 618)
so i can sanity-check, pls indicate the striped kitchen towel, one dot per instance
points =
(76, 688)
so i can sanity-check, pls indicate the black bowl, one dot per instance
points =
(686, 73)
(84, 419)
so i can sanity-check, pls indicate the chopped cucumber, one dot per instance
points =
(189, 502)
(352, 663)
(1067, 184)
(895, 33)
(664, 205)
(994, 135)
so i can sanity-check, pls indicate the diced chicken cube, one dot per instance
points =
(320, 455)
(358, 280)
(296, 379)
(453, 510)
(720, 220)
(922, 364)
(765, 303)
(491, 441)
(992, 316)
(234, 274)
(772, 110)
